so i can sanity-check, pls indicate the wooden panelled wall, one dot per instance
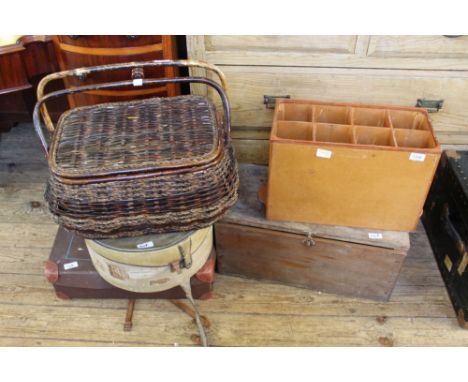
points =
(394, 70)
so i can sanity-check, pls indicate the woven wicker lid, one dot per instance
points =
(133, 136)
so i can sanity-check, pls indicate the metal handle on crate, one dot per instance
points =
(452, 231)
(151, 81)
(83, 72)
(431, 105)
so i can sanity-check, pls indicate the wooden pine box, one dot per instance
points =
(343, 260)
(351, 165)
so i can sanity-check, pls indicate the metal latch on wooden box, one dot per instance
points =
(270, 101)
(309, 240)
(431, 105)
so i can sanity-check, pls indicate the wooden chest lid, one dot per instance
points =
(250, 211)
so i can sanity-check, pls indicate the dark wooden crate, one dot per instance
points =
(445, 220)
(83, 281)
(333, 259)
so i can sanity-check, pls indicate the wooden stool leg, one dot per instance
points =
(188, 310)
(128, 318)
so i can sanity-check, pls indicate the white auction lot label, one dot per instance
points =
(71, 265)
(418, 157)
(322, 153)
(148, 244)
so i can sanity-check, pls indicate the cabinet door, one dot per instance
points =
(110, 41)
(306, 44)
(272, 50)
(356, 51)
(419, 46)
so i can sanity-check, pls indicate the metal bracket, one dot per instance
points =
(185, 256)
(463, 264)
(309, 241)
(432, 105)
(270, 101)
(137, 76)
(82, 76)
(138, 73)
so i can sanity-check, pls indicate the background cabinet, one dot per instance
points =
(88, 50)
(393, 70)
(25, 60)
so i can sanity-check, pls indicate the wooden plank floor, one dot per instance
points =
(242, 312)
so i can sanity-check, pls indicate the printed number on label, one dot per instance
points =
(71, 265)
(322, 153)
(148, 244)
(418, 157)
(375, 235)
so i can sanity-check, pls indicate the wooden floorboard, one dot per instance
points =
(242, 312)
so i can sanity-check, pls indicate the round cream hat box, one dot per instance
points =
(149, 250)
(151, 263)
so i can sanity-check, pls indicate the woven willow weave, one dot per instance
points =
(179, 202)
(139, 167)
(135, 134)
(163, 132)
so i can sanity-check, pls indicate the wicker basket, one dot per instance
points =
(138, 167)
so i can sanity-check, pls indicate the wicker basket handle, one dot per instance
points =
(80, 72)
(111, 85)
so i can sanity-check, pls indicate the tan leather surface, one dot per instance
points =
(148, 257)
(141, 279)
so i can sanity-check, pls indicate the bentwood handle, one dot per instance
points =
(83, 72)
(151, 81)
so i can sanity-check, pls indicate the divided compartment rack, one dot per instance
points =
(354, 165)
(138, 167)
